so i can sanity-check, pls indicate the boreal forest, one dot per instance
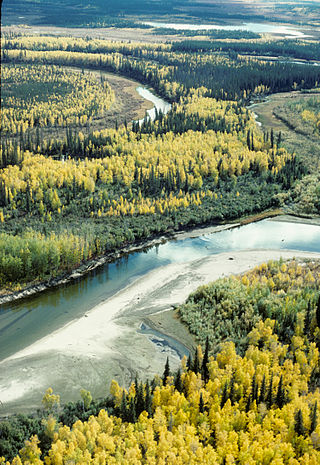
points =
(86, 173)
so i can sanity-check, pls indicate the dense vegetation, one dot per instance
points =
(268, 48)
(171, 73)
(66, 200)
(228, 309)
(44, 96)
(129, 185)
(258, 407)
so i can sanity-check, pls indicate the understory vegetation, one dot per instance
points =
(256, 400)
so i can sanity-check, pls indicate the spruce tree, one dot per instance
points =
(166, 372)
(253, 388)
(132, 416)
(139, 399)
(205, 361)
(201, 404)
(232, 391)
(298, 425)
(272, 138)
(224, 396)
(313, 417)
(148, 400)
(270, 393)
(280, 398)
(178, 381)
(307, 319)
(196, 364)
(318, 311)
(262, 396)
(124, 407)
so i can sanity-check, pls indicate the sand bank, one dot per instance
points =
(105, 343)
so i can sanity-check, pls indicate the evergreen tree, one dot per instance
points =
(262, 396)
(279, 139)
(280, 398)
(139, 399)
(201, 404)
(196, 364)
(178, 381)
(307, 319)
(298, 425)
(318, 311)
(224, 396)
(132, 416)
(189, 362)
(270, 393)
(166, 372)
(253, 388)
(124, 407)
(205, 361)
(313, 417)
(232, 391)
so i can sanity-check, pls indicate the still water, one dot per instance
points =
(259, 28)
(24, 322)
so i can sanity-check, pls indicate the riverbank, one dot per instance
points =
(97, 343)
(32, 289)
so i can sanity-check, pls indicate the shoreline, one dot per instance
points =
(31, 289)
(109, 328)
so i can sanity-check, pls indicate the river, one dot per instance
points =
(159, 103)
(86, 333)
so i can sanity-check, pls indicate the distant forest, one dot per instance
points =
(124, 13)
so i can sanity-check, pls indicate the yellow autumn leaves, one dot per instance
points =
(48, 96)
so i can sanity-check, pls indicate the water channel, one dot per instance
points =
(168, 271)
(24, 322)
(86, 333)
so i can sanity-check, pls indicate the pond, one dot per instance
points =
(259, 28)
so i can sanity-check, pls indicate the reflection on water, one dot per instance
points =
(24, 322)
(258, 28)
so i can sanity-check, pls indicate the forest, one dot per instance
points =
(69, 194)
(81, 193)
(249, 395)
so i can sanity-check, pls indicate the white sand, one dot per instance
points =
(104, 344)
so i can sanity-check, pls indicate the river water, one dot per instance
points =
(159, 103)
(24, 322)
